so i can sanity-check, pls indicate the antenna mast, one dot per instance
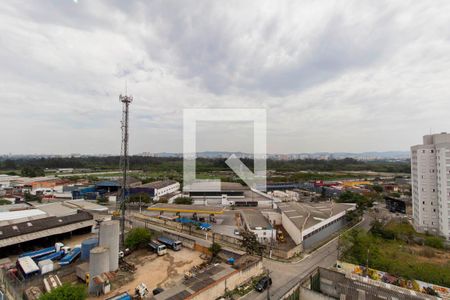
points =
(124, 164)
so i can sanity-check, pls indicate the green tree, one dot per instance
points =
(102, 199)
(32, 171)
(353, 216)
(378, 188)
(183, 200)
(140, 197)
(362, 202)
(137, 238)
(215, 249)
(66, 292)
(28, 197)
(251, 244)
(396, 194)
(4, 202)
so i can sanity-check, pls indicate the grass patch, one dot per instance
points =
(396, 256)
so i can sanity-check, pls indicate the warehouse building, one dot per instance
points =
(25, 234)
(157, 189)
(24, 227)
(257, 223)
(113, 186)
(311, 223)
(210, 190)
(226, 194)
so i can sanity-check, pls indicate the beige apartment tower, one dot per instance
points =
(430, 179)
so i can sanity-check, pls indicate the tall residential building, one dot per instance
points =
(430, 171)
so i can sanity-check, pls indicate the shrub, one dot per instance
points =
(4, 202)
(137, 237)
(183, 200)
(435, 242)
(66, 292)
(215, 249)
(140, 197)
(428, 252)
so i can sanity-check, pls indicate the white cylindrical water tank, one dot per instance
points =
(109, 238)
(98, 264)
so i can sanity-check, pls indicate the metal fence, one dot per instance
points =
(15, 287)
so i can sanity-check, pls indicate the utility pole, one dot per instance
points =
(367, 263)
(268, 287)
(124, 163)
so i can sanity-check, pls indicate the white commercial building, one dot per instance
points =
(311, 223)
(6, 180)
(430, 170)
(161, 188)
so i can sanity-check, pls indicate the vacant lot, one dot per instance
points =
(155, 271)
(397, 257)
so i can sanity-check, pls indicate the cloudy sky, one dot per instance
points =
(333, 75)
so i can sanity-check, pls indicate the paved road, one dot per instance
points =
(284, 275)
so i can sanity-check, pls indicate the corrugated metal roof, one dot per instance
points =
(83, 204)
(159, 184)
(209, 186)
(19, 214)
(187, 208)
(45, 233)
(19, 229)
(13, 207)
(57, 209)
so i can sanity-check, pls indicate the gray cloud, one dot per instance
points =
(358, 76)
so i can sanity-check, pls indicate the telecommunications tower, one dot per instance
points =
(124, 165)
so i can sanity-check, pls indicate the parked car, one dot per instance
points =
(237, 232)
(263, 284)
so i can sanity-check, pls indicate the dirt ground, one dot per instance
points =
(155, 271)
(437, 257)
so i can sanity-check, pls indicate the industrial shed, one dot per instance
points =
(18, 233)
(311, 223)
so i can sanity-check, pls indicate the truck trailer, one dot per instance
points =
(123, 296)
(70, 257)
(172, 244)
(53, 256)
(27, 266)
(42, 252)
(157, 247)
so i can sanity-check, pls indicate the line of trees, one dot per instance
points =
(203, 164)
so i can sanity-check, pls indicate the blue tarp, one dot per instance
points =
(69, 258)
(107, 184)
(202, 225)
(39, 253)
(53, 256)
